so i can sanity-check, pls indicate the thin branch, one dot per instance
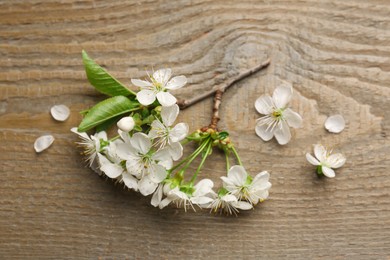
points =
(183, 104)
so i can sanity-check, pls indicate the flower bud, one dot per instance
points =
(126, 124)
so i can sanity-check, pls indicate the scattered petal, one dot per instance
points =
(335, 124)
(60, 112)
(43, 142)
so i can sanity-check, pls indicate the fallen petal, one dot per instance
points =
(335, 124)
(43, 142)
(60, 112)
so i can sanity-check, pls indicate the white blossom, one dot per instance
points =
(90, 144)
(229, 204)
(180, 198)
(158, 86)
(325, 161)
(239, 184)
(143, 163)
(278, 117)
(167, 135)
(203, 193)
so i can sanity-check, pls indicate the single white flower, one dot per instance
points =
(91, 144)
(167, 136)
(229, 204)
(180, 198)
(203, 193)
(145, 164)
(112, 167)
(325, 160)
(278, 117)
(126, 124)
(158, 86)
(241, 185)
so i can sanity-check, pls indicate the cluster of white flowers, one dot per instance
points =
(144, 160)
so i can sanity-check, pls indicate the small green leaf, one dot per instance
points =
(223, 135)
(107, 109)
(102, 80)
(107, 124)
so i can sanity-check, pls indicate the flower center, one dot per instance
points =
(277, 113)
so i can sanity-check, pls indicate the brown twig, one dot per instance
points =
(183, 104)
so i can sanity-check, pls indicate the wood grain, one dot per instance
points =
(336, 54)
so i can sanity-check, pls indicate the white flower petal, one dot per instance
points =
(335, 160)
(203, 187)
(263, 131)
(282, 95)
(169, 114)
(141, 142)
(203, 201)
(130, 181)
(165, 202)
(110, 169)
(43, 142)
(81, 134)
(166, 99)
(146, 186)
(146, 97)
(162, 75)
(157, 129)
(157, 196)
(179, 132)
(124, 151)
(141, 83)
(312, 160)
(229, 198)
(176, 82)
(264, 105)
(242, 205)
(328, 172)
(175, 150)
(335, 124)
(237, 174)
(60, 112)
(124, 135)
(260, 181)
(293, 118)
(157, 173)
(282, 133)
(101, 135)
(320, 152)
(163, 157)
(126, 124)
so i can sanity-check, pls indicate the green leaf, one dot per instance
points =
(107, 109)
(107, 124)
(223, 135)
(102, 80)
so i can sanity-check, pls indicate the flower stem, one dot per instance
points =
(203, 146)
(202, 162)
(227, 160)
(190, 157)
(237, 156)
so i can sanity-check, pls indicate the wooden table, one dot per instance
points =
(336, 54)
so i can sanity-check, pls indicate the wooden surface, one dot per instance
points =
(336, 54)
